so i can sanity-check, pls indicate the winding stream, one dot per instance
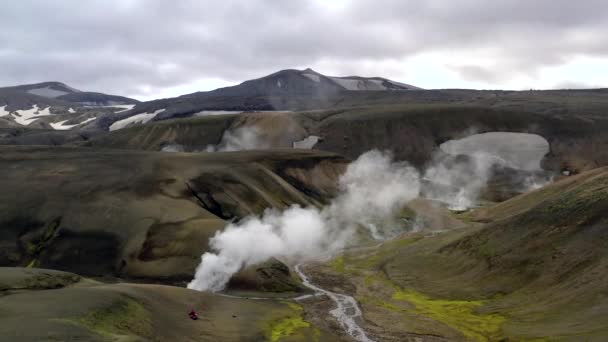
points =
(346, 312)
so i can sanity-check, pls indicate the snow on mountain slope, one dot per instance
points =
(313, 77)
(61, 126)
(369, 84)
(47, 92)
(27, 116)
(124, 108)
(135, 119)
(3, 111)
(285, 90)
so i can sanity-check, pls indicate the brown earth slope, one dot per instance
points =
(142, 214)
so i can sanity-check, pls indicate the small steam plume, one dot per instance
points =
(242, 138)
(373, 190)
(458, 181)
(462, 170)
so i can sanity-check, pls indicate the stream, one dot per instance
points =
(346, 312)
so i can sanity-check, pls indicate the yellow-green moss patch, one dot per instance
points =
(338, 264)
(126, 320)
(287, 326)
(458, 314)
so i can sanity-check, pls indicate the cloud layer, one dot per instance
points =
(140, 47)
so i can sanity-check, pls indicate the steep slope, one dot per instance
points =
(142, 214)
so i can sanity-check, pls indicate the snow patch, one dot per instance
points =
(125, 108)
(3, 111)
(279, 84)
(47, 92)
(60, 126)
(313, 77)
(27, 116)
(135, 119)
(87, 121)
(347, 83)
(368, 84)
(71, 110)
(216, 112)
(306, 143)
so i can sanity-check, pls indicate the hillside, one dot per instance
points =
(43, 304)
(538, 272)
(142, 214)
(411, 132)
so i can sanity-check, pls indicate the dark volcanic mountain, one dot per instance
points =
(284, 90)
(55, 105)
(61, 91)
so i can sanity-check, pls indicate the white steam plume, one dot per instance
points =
(373, 189)
(459, 181)
(239, 139)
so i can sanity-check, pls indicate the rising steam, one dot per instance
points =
(458, 181)
(373, 189)
(239, 139)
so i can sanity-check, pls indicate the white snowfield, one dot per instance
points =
(47, 92)
(313, 77)
(27, 116)
(364, 84)
(216, 112)
(124, 108)
(71, 110)
(135, 119)
(60, 126)
(3, 111)
(307, 143)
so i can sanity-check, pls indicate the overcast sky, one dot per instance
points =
(160, 48)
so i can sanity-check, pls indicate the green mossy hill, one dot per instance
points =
(92, 311)
(543, 267)
(124, 320)
(17, 278)
(537, 271)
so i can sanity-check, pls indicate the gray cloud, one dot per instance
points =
(127, 46)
